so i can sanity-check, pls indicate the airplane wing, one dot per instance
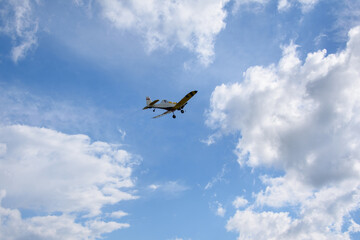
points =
(153, 102)
(184, 100)
(163, 114)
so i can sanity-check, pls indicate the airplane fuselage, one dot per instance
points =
(164, 104)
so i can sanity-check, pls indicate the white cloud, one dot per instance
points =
(253, 3)
(217, 208)
(52, 172)
(172, 188)
(354, 227)
(306, 5)
(118, 214)
(46, 158)
(13, 226)
(321, 216)
(154, 186)
(303, 118)
(283, 191)
(211, 139)
(2, 149)
(20, 24)
(218, 178)
(240, 202)
(177, 238)
(220, 211)
(100, 227)
(288, 114)
(283, 5)
(261, 226)
(189, 24)
(22, 107)
(347, 17)
(241, 2)
(122, 133)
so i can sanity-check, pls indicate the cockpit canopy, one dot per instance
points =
(166, 101)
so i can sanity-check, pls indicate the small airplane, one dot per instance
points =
(171, 107)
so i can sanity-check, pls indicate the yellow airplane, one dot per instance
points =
(171, 107)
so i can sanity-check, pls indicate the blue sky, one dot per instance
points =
(267, 149)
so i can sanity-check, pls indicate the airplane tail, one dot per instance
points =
(148, 101)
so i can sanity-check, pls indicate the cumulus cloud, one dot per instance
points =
(19, 23)
(321, 216)
(296, 115)
(302, 118)
(13, 226)
(252, 225)
(51, 172)
(192, 25)
(188, 24)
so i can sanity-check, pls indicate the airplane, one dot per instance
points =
(171, 107)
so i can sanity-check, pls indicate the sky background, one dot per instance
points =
(269, 147)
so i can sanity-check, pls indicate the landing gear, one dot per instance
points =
(174, 116)
(153, 110)
(182, 111)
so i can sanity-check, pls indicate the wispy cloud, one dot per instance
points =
(252, 4)
(347, 17)
(283, 5)
(306, 5)
(122, 133)
(172, 188)
(22, 107)
(21, 25)
(218, 178)
(118, 214)
(212, 138)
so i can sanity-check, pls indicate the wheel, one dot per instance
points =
(174, 116)
(182, 111)
(153, 110)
